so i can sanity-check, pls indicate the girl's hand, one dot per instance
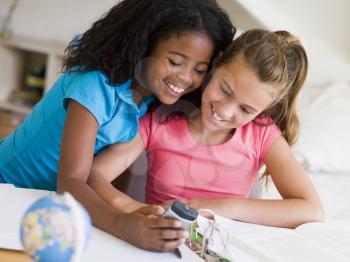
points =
(167, 203)
(146, 229)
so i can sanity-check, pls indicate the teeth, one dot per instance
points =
(215, 115)
(174, 88)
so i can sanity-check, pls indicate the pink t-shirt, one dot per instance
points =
(180, 168)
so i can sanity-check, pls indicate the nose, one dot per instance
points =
(185, 75)
(228, 111)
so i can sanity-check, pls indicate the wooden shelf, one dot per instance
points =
(16, 108)
(13, 256)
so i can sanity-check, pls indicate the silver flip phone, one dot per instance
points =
(179, 210)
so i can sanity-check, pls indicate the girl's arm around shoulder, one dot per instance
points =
(76, 156)
(116, 158)
(108, 165)
(137, 222)
(143, 227)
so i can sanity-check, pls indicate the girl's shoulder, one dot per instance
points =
(260, 128)
(262, 123)
(92, 90)
(93, 82)
(90, 77)
(258, 135)
(160, 118)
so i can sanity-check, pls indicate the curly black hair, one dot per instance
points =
(130, 30)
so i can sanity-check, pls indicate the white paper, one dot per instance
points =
(310, 242)
(334, 237)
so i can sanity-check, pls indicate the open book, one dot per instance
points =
(308, 242)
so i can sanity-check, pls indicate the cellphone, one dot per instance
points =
(179, 210)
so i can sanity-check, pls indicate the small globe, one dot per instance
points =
(55, 228)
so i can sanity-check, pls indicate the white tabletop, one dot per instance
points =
(102, 246)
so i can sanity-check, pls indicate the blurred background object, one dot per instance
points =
(4, 29)
(56, 228)
(32, 90)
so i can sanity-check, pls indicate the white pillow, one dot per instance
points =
(324, 143)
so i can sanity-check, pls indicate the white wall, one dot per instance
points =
(321, 25)
(57, 20)
(325, 28)
(326, 19)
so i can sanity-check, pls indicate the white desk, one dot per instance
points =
(102, 246)
(248, 242)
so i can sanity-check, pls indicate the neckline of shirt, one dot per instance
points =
(212, 147)
(125, 93)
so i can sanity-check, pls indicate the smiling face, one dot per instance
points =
(234, 96)
(176, 66)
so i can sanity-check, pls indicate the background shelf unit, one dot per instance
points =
(17, 56)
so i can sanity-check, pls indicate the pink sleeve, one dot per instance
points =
(149, 128)
(268, 134)
(145, 129)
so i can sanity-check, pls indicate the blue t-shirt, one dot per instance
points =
(29, 156)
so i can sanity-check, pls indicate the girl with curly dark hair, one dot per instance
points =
(141, 50)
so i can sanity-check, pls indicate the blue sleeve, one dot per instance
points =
(92, 91)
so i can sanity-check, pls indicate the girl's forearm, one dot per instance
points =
(281, 213)
(102, 214)
(117, 199)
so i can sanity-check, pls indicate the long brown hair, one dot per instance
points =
(278, 58)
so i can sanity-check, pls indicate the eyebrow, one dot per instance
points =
(185, 56)
(223, 81)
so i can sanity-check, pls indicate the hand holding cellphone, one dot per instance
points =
(179, 210)
(187, 215)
